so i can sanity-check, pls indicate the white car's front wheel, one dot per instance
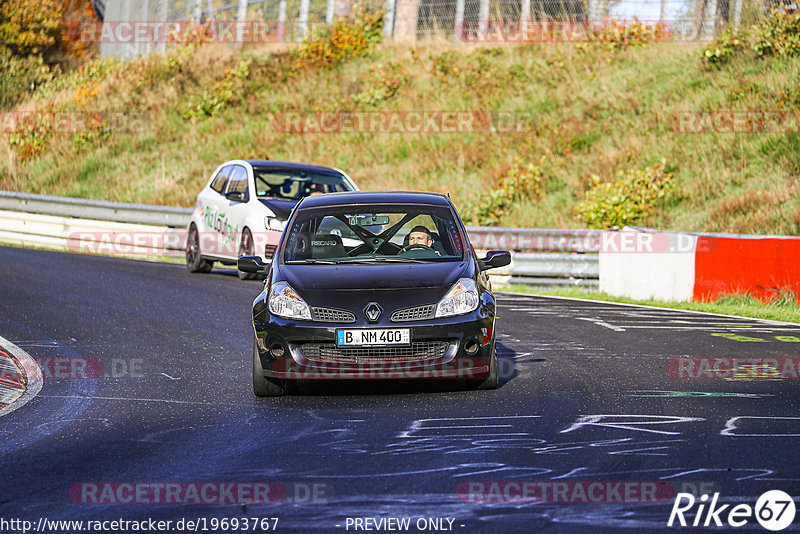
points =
(247, 248)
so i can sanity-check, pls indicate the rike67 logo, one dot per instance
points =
(774, 510)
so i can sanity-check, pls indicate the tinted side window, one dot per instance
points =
(218, 184)
(237, 180)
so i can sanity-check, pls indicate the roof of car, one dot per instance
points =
(287, 165)
(375, 197)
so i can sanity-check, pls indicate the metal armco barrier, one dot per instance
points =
(538, 239)
(562, 257)
(554, 269)
(90, 235)
(95, 209)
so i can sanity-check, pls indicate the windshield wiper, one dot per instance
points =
(382, 259)
(395, 259)
(325, 262)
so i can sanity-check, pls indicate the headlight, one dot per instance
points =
(273, 223)
(284, 302)
(462, 298)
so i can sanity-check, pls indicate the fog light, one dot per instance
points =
(276, 351)
(471, 347)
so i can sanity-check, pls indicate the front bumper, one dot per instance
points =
(438, 350)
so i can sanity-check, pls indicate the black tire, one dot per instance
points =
(194, 261)
(247, 248)
(263, 386)
(492, 381)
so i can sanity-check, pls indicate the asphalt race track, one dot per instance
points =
(590, 392)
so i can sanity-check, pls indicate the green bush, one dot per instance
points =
(38, 40)
(345, 39)
(30, 27)
(520, 182)
(620, 35)
(446, 64)
(21, 76)
(93, 71)
(380, 84)
(50, 29)
(222, 93)
(726, 47)
(778, 34)
(632, 196)
(32, 133)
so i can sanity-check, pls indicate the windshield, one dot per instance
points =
(374, 234)
(296, 184)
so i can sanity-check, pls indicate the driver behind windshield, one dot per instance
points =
(419, 235)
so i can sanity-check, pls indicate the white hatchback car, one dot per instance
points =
(244, 207)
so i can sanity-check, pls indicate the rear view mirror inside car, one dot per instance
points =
(368, 220)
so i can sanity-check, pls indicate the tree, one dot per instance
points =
(49, 29)
(30, 27)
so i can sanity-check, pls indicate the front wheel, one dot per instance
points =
(247, 248)
(491, 381)
(194, 261)
(263, 386)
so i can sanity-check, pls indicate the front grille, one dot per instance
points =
(329, 315)
(419, 351)
(269, 250)
(416, 313)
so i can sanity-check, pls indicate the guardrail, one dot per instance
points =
(90, 235)
(542, 256)
(548, 269)
(535, 239)
(95, 209)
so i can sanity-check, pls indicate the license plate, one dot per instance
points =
(374, 336)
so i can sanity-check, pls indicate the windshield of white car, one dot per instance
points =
(293, 184)
(374, 234)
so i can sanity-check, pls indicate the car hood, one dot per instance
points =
(280, 207)
(410, 276)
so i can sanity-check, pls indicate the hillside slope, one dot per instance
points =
(580, 111)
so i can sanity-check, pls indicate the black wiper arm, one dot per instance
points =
(326, 262)
(385, 259)
(392, 259)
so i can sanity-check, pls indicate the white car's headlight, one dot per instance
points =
(273, 223)
(285, 302)
(462, 298)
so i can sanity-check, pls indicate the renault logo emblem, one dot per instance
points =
(373, 312)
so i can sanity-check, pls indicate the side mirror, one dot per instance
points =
(251, 264)
(495, 258)
(236, 196)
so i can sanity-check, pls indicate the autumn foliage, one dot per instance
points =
(39, 39)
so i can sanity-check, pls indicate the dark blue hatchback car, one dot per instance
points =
(374, 285)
